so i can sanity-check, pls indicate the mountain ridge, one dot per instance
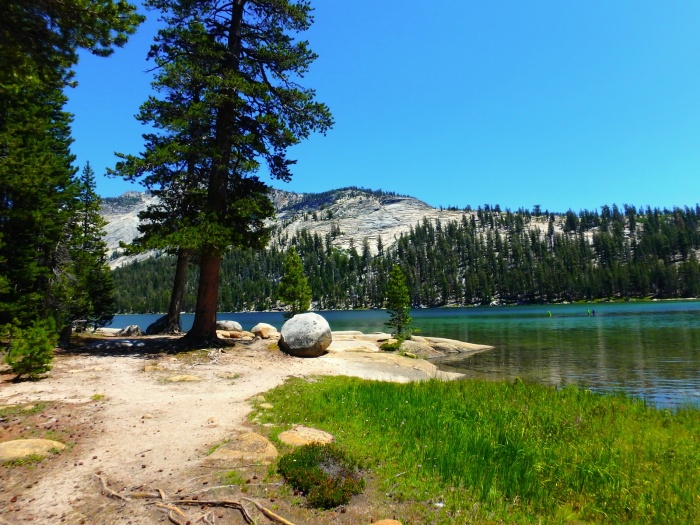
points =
(348, 215)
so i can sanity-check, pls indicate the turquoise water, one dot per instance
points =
(651, 350)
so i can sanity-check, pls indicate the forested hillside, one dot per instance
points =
(487, 256)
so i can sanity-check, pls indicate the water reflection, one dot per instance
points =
(655, 355)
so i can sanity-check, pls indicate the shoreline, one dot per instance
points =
(455, 306)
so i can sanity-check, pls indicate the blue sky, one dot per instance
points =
(570, 104)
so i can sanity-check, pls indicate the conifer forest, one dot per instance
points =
(488, 257)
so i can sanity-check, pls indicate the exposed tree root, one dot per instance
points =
(178, 517)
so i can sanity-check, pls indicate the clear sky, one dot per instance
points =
(569, 104)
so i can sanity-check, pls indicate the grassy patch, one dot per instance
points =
(27, 461)
(509, 451)
(232, 477)
(22, 410)
(215, 447)
(98, 397)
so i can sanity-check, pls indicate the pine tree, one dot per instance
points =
(244, 63)
(398, 304)
(294, 288)
(40, 43)
(93, 296)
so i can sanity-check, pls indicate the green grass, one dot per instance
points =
(233, 477)
(20, 410)
(27, 461)
(509, 451)
(214, 448)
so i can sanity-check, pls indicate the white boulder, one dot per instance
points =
(306, 335)
(229, 326)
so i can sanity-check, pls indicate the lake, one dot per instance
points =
(649, 349)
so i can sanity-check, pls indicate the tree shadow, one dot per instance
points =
(147, 346)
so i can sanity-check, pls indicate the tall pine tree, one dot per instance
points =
(241, 67)
(40, 43)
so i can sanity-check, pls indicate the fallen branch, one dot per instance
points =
(219, 503)
(109, 492)
(176, 515)
(173, 513)
(268, 513)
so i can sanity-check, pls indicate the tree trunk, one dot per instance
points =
(203, 329)
(172, 324)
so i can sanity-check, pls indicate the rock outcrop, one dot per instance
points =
(301, 435)
(306, 335)
(133, 330)
(242, 449)
(229, 326)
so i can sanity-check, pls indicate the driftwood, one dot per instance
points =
(178, 517)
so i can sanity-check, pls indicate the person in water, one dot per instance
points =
(589, 312)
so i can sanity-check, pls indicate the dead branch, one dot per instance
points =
(268, 513)
(174, 514)
(177, 516)
(219, 503)
(109, 492)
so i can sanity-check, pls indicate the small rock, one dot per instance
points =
(264, 330)
(22, 448)
(266, 406)
(245, 447)
(183, 379)
(301, 435)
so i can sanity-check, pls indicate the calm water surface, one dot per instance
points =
(651, 350)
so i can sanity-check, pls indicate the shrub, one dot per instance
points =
(392, 347)
(323, 473)
(30, 350)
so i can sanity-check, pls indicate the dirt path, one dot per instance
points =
(130, 422)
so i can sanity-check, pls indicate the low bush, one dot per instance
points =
(30, 350)
(324, 473)
(392, 347)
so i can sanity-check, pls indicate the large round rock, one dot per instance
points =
(305, 335)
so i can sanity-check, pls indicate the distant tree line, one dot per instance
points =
(488, 256)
